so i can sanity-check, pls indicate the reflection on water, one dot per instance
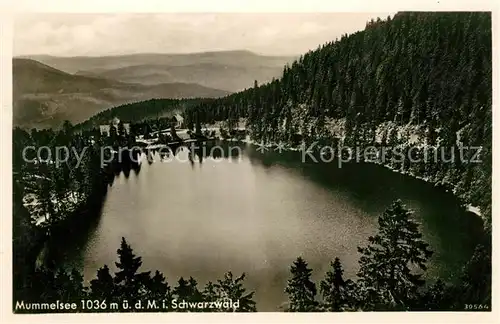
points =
(202, 212)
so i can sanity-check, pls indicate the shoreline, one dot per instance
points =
(287, 147)
(464, 204)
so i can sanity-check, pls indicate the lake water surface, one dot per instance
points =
(255, 213)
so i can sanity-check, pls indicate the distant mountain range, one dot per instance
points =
(44, 96)
(227, 70)
(49, 89)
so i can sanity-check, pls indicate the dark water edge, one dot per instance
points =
(361, 177)
(72, 232)
(358, 177)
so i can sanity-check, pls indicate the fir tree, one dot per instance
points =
(386, 278)
(233, 289)
(434, 298)
(187, 290)
(130, 283)
(338, 294)
(68, 286)
(475, 281)
(103, 287)
(210, 293)
(158, 288)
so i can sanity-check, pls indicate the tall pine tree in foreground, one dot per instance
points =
(386, 277)
(130, 284)
(300, 289)
(158, 288)
(103, 287)
(232, 288)
(338, 294)
(187, 290)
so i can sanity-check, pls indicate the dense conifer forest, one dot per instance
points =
(142, 110)
(421, 75)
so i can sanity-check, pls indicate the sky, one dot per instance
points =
(124, 33)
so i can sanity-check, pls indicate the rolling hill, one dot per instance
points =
(230, 78)
(227, 70)
(44, 96)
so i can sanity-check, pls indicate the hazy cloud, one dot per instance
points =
(108, 34)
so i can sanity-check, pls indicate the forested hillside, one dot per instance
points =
(419, 76)
(137, 111)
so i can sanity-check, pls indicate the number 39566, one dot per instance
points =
(476, 307)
